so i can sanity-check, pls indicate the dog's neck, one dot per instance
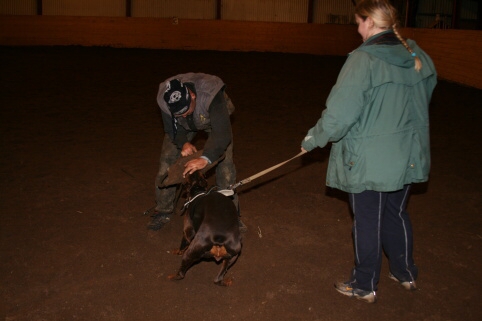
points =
(194, 193)
(196, 190)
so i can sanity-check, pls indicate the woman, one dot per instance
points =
(377, 121)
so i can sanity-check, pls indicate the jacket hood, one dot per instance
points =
(387, 47)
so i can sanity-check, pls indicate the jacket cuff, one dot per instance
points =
(204, 157)
(308, 143)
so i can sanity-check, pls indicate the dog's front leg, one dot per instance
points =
(182, 248)
(188, 235)
(189, 232)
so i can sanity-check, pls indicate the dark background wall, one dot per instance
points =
(456, 53)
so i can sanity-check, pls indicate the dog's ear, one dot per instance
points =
(203, 183)
(187, 181)
(201, 179)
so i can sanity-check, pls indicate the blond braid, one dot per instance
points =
(418, 62)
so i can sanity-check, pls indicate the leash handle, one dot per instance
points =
(249, 179)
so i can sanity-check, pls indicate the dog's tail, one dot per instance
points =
(219, 239)
(218, 250)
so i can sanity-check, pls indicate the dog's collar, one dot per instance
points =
(225, 192)
(192, 200)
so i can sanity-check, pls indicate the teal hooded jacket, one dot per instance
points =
(377, 118)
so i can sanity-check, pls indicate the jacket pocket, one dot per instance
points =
(349, 160)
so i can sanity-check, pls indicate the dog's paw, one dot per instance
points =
(225, 282)
(175, 277)
(177, 252)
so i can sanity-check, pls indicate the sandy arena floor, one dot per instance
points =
(80, 140)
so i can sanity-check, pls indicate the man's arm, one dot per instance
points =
(221, 133)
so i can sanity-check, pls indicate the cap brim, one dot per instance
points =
(182, 111)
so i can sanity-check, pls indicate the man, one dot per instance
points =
(190, 103)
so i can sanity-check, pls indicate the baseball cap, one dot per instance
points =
(177, 97)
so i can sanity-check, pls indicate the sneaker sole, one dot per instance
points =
(369, 298)
(158, 224)
(409, 286)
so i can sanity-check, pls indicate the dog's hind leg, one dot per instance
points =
(220, 280)
(193, 253)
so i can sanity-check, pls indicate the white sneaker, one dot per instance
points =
(346, 289)
(408, 285)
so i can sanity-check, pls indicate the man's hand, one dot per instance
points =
(188, 149)
(194, 165)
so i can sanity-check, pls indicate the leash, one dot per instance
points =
(230, 190)
(251, 178)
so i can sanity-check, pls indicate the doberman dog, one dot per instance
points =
(211, 229)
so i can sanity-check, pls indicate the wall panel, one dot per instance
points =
(184, 9)
(95, 8)
(265, 10)
(187, 34)
(18, 7)
(341, 12)
(456, 53)
(296, 11)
